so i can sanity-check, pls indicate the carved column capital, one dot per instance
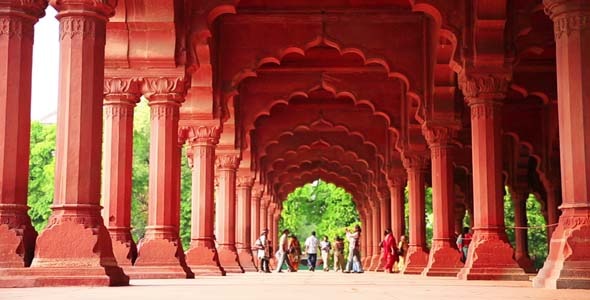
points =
(483, 86)
(568, 16)
(438, 136)
(121, 90)
(227, 161)
(105, 8)
(33, 8)
(157, 89)
(204, 134)
(415, 161)
(398, 181)
(245, 181)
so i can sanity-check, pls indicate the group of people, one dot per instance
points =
(289, 251)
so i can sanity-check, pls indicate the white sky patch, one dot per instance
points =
(45, 68)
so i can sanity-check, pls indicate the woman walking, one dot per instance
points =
(339, 254)
(354, 255)
(325, 246)
(294, 252)
(402, 251)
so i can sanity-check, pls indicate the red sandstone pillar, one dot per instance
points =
(385, 223)
(376, 236)
(490, 255)
(75, 247)
(568, 263)
(17, 235)
(160, 253)
(225, 208)
(398, 221)
(445, 259)
(264, 205)
(552, 209)
(202, 256)
(244, 224)
(255, 215)
(368, 232)
(459, 216)
(521, 253)
(121, 95)
(417, 257)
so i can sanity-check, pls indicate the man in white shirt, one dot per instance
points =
(311, 247)
(282, 252)
(263, 251)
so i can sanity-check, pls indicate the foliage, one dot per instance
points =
(321, 207)
(429, 217)
(140, 179)
(41, 173)
(537, 234)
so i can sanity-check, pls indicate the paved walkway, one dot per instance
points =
(303, 285)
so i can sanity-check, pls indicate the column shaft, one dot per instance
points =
(398, 219)
(202, 256)
(121, 97)
(244, 224)
(17, 235)
(225, 212)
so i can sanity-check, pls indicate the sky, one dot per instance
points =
(45, 68)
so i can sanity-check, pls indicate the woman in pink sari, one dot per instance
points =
(389, 251)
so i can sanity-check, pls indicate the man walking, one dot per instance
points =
(311, 247)
(282, 252)
(263, 252)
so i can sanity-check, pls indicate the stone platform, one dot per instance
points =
(302, 285)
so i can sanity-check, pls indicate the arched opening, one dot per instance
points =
(322, 207)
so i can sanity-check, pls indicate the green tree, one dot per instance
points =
(41, 173)
(321, 207)
(428, 215)
(140, 177)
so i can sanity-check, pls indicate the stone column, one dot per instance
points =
(490, 255)
(244, 224)
(376, 236)
(568, 263)
(521, 253)
(417, 257)
(273, 235)
(398, 220)
(202, 256)
(459, 216)
(445, 259)
(264, 204)
(121, 95)
(17, 235)
(75, 247)
(160, 250)
(368, 233)
(255, 214)
(225, 208)
(385, 222)
(552, 209)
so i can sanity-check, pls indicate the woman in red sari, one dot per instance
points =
(389, 250)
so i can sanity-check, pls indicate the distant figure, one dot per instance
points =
(389, 251)
(354, 254)
(311, 247)
(339, 254)
(325, 247)
(263, 253)
(463, 242)
(282, 252)
(402, 250)
(294, 252)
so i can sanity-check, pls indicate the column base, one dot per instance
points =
(374, 262)
(416, 260)
(203, 259)
(364, 261)
(125, 251)
(490, 257)
(61, 276)
(247, 260)
(228, 258)
(17, 245)
(568, 263)
(526, 263)
(160, 258)
(72, 250)
(443, 261)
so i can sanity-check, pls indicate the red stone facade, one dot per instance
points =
(464, 96)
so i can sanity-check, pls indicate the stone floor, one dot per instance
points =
(303, 285)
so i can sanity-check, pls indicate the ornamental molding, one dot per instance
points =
(15, 27)
(204, 134)
(227, 161)
(170, 88)
(570, 24)
(77, 27)
(245, 181)
(118, 112)
(415, 161)
(159, 112)
(105, 8)
(485, 110)
(438, 135)
(120, 86)
(483, 86)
